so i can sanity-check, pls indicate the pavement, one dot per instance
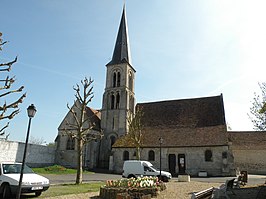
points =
(96, 177)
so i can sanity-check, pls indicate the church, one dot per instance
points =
(193, 132)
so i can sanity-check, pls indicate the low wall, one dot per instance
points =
(37, 155)
(250, 160)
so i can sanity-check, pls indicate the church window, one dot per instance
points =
(125, 155)
(130, 82)
(112, 139)
(70, 144)
(118, 79)
(131, 103)
(114, 79)
(224, 155)
(112, 101)
(151, 155)
(208, 156)
(117, 100)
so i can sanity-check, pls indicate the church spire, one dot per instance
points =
(121, 52)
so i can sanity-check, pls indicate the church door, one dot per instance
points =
(172, 164)
(181, 163)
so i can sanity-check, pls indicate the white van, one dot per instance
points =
(138, 168)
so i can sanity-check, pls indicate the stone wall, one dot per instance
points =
(37, 155)
(253, 161)
(194, 159)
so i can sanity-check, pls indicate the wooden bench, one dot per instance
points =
(205, 194)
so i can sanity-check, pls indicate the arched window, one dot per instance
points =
(112, 101)
(125, 155)
(130, 81)
(224, 155)
(118, 79)
(151, 155)
(131, 103)
(112, 139)
(208, 156)
(70, 144)
(117, 101)
(114, 79)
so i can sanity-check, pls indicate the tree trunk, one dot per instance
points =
(138, 153)
(80, 160)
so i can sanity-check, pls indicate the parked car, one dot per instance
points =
(138, 168)
(9, 180)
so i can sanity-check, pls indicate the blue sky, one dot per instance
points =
(180, 49)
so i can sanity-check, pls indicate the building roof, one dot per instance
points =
(255, 140)
(182, 123)
(178, 137)
(196, 112)
(94, 117)
(121, 52)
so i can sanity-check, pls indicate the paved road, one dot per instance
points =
(70, 178)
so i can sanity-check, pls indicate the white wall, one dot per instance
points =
(37, 155)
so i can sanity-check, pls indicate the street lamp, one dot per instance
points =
(31, 112)
(161, 141)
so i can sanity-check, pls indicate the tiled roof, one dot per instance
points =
(95, 117)
(197, 112)
(178, 137)
(255, 140)
(181, 123)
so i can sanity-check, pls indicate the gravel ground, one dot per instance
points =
(179, 190)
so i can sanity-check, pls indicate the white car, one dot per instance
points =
(9, 180)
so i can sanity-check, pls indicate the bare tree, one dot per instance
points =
(8, 106)
(37, 140)
(258, 109)
(81, 128)
(135, 129)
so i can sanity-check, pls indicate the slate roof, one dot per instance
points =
(244, 140)
(121, 52)
(182, 123)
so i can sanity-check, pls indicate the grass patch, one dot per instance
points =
(59, 190)
(56, 169)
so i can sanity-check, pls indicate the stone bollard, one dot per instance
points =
(184, 178)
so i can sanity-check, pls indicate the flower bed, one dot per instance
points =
(124, 188)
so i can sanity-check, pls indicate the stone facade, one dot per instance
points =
(194, 160)
(37, 155)
(249, 149)
(66, 146)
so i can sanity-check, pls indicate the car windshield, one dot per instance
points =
(15, 168)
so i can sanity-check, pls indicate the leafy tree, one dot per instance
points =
(258, 109)
(9, 103)
(135, 129)
(81, 128)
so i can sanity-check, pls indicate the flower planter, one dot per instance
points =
(142, 188)
(120, 193)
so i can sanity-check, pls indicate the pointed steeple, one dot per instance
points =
(121, 52)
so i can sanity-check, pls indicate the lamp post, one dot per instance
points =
(161, 141)
(31, 112)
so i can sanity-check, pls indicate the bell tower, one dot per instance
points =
(119, 96)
